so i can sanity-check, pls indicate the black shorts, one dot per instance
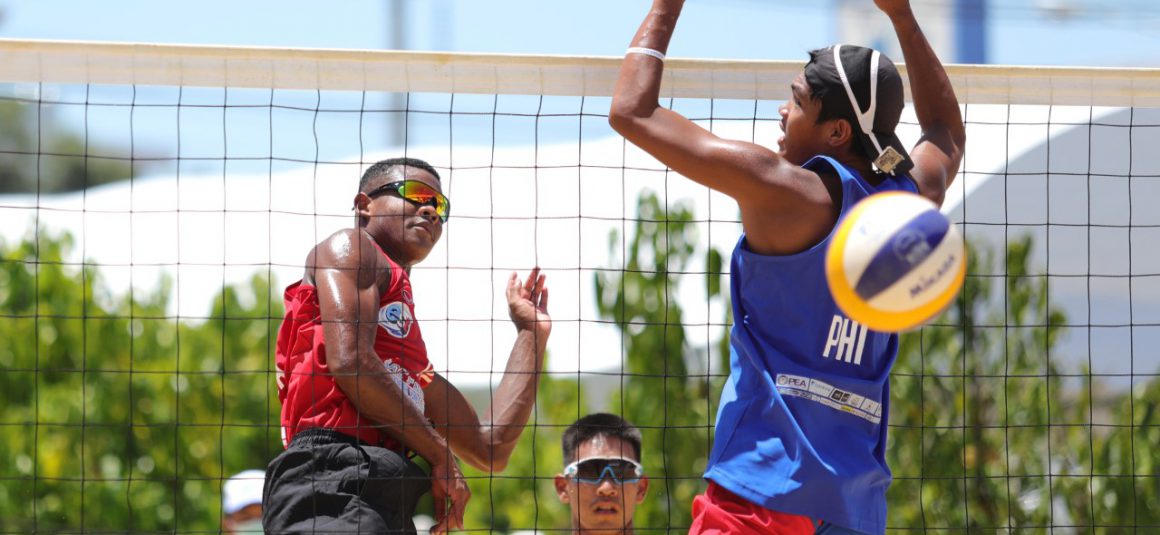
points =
(330, 482)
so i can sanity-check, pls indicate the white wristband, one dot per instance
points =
(646, 51)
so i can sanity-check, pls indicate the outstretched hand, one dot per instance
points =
(528, 302)
(892, 7)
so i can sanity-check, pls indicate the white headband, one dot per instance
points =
(865, 120)
(888, 158)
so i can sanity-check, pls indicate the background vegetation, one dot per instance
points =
(118, 418)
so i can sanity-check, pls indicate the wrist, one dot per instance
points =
(666, 9)
(532, 329)
(901, 14)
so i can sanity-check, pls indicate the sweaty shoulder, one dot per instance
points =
(346, 249)
(798, 211)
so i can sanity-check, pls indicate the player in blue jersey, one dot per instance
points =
(801, 428)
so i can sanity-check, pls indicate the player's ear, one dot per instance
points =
(839, 132)
(641, 489)
(562, 489)
(362, 204)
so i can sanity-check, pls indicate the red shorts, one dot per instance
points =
(719, 511)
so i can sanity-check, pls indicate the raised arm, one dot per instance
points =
(488, 445)
(732, 167)
(784, 208)
(939, 151)
(348, 275)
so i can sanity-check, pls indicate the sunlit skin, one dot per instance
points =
(407, 232)
(605, 508)
(803, 137)
(351, 277)
(785, 209)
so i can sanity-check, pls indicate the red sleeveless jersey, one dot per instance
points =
(310, 397)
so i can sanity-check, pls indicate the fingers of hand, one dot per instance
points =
(457, 512)
(533, 279)
(539, 284)
(513, 286)
(440, 509)
(459, 505)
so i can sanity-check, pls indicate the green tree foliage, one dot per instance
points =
(37, 156)
(121, 418)
(986, 433)
(116, 416)
(523, 497)
(664, 394)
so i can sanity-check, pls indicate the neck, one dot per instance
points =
(862, 166)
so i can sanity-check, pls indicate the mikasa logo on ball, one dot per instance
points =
(927, 282)
(894, 263)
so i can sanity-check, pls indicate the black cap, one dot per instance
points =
(844, 74)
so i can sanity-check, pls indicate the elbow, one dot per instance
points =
(959, 139)
(347, 372)
(619, 118)
(495, 466)
(625, 115)
(955, 134)
(341, 365)
(490, 458)
(487, 464)
(340, 368)
(498, 456)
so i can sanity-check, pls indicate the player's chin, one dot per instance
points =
(420, 248)
(424, 237)
(782, 150)
(791, 156)
(604, 523)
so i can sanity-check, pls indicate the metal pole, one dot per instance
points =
(397, 129)
(971, 31)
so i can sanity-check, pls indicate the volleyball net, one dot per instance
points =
(155, 200)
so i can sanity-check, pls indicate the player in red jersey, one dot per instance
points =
(358, 393)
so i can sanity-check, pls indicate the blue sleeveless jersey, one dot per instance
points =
(801, 427)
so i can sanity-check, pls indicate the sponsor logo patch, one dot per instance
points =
(396, 319)
(826, 394)
(407, 383)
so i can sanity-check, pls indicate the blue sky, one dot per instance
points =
(1046, 32)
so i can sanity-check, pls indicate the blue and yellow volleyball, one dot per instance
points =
(895, 262)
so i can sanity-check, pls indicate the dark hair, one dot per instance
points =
(818, 93)
(385, 167)
(599, 424)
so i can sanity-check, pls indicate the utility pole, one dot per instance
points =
(397, 129)
(971, 33)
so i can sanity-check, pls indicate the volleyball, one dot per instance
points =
(895, 262)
